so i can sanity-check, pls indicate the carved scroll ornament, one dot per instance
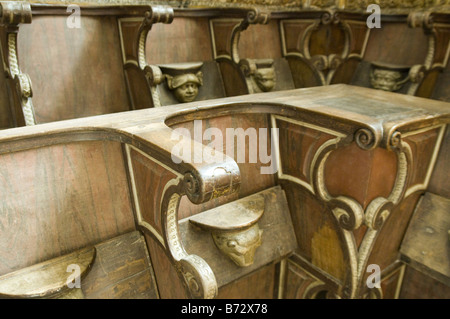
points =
(12, 14)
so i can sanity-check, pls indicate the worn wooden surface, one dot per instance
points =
(417, 285)
(74, 72)
(122, 270)
(259, 284)
(426, 245)
(49, 278)
(60, 198)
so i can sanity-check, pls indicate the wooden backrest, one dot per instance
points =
(75, 72)
(60, 198)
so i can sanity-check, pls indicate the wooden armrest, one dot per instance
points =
(47, 279)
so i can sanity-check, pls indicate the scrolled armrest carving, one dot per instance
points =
(200, 182)
(212, 182)
(14, 13)
(254, 16)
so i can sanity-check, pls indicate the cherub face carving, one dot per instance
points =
(185, 86)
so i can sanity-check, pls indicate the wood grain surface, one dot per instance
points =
(60, 198)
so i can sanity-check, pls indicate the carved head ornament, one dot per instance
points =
(235, 230)
(388, 78)
(183, 80)
(260, 72)
(240, 246)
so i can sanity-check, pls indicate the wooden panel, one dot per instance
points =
(150, 179)
(297, 282)
(170, 284)
(257, 285)
(347, 173)
(396, 43)
(422, 147)
(440, 179)
(317, 233)
(416, 285)
(121, 270)
(184, 40)
(391, 283)
(427, 240)
(304, 142)
(260, 42)
(326, 40)
(140, 96)
(59, 198)
(442, 89)
(303, 73)
(233, 80)
(64, 62)
(6, 120)
(385, 250)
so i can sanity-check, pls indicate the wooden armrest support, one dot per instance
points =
(275, 237)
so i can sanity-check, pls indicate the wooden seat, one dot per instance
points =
(426, 246)
(48, 279)
(116, 268)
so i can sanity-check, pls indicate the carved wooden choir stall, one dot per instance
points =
(224, 150)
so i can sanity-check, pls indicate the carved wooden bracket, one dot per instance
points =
(257, 75)
(437, 29)
(12, 14)
(234, 228)
(200, 183)
(134, 32)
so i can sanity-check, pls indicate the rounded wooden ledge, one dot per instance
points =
(236, 215)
